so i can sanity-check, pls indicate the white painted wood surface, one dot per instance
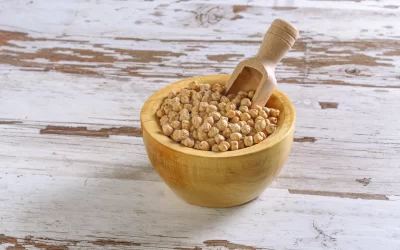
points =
(73, 170)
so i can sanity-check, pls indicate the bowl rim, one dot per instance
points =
(150, 125)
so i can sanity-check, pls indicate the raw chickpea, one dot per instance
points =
(222, 124)
(258, 107)
(253, 113)
(216, 116)
(196, 105)
(253, 132)
(220, 90)
(215, 103)
(188, 142)
(188, 106)
(179, 135)
(209, 120)
(215, 96)
(235, 136)
(224, 118)
(241, 144)
(234, 145)
(270, 128)
(185, 92)
(222, 106)
(204, 146)
(211, 108)
(267, 110)
(250, 123)
(241, 123)
(274, 113)
(231, 96)
(191, 128)
(205, 87)
(263, 114)
(197, 96)
(245, 117)
(213, 132)
(230, 114)
(219, 138)
(273, 120)
(164, 120)
(206, 98)
(215, 148)
(260, 125)
(242, 94)
(205, 127)
(186, 124)
(194, 86)
(267, 121)
(248, 141)
(238, 113)
(172, 94)
(197, 121)
(176, 106)
(211, 141)
(236, 101)
(203, 114)
(184, 114)
(224, 99)
(194, 134)
(203, 106)
(176, 125)
(245, 129)
(160, 113)
(259, 137)
(202, 136)
(224, 146)
(259, 118)
(251, 94)
(223, 112)
(245, 102)
(173, 118)
(196, 144)
(185, 99)
(230, 106)
(226, 133)
(167, 129)
(235, 128)
(235, 119)
(244, 109)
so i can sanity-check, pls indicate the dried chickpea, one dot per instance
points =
(235, 136)
(215, 148)
(219, 138)
(231, 96)
(227, 132)
(205, 87)
(259, 137)
(204, 146)
(185, 99)
(241, 144)
(194, 86)
(250, 123)
(209, 120)
(242, 94)
(235, 119)
(186, 124)
(270, 128)
(216, 116)
(267, 110)
(259, 118)
(244, 109)
(248, 141)
(172, 94)
(223, 112)
(197, 121)
(234, 145)
(245, 117)
(224, 99)
(245, 102)
(274, 113)
(188, 142)
(197, 96)
(194, 134)
(238, 113)
(260, 125)
(203, 106)
(224, 146)
(191, 128)
(176, 106)
(211, 108)
(230, 114)
(160, 113)
(176, 125)
(230, 106)
(215, 103)
(203, 114)
(245, 129)
(263, 114)
(205, 127)
(164, 120)
(251, 94)
(206, 98)
(221, 106)
(188, 106)
(253, 113)
(211, 141)
(273, 120)
(236, 101)
(258, 107)
(167, 129)
(173, 118)
(222, 124)
(213, 132)
(179, 135)
(220, 90)
(185, 92)
(196, 144)
(241, 123)
(184, 114)
(202, 136)
(215, 96)
(235, 128)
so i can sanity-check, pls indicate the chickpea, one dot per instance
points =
(248, 141)
(260, 125)
(235, 136)
(230, 106)
(216, 116)
(205, 87)
(235, 128)
(245, 117)
(250, 123)
(258, 107)
(253, 113)
(222, 124)
(221, 106)
(188, 142)
(203, 106)
(224, 146)
(273, 120)
(230, 114)
(244, 109)
(263, 114)
(184, 114)
(211, 108)
(160, 113)
(235, 119)
(204, 146)
(224, 99)
(185, 99)
(194, 86)
(179, 135)
(241, 123)
(202, 136)
(213, 132)
(209, 120)
(226, 133)
(231, 96)
(176, 106)
(188, 106)
(186, 124)
(197, 121)
(251, 94)
(164, 120)
(270, 128)
(274, 113)
(215, 148)
(245, 102)
(234, 145)
(245, 129)
(219, 138)
(176, 125)
(185, 92)
(259, 137)
(172, 94)
(167, 129)
(267, 110)
(211, 141)
(215, 103)
(205, 127)
(215, 96)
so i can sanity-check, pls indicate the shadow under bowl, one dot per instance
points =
(217, 179)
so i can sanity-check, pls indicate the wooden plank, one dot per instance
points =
(80, 213)
(334, 147)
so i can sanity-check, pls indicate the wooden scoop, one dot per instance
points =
(258, 73)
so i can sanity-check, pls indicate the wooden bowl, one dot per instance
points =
(217, 179)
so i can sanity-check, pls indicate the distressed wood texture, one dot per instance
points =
(74, 75)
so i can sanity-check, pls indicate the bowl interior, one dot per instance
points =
(150, 123)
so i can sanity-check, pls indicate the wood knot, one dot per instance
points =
(353, 71)
(207, 16)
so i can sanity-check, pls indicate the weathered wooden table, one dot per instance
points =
(73, 169)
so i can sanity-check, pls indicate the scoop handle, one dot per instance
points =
(278, 40)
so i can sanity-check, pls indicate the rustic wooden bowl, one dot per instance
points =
(217, 179)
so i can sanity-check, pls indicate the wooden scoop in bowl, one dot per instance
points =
(258, 73)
